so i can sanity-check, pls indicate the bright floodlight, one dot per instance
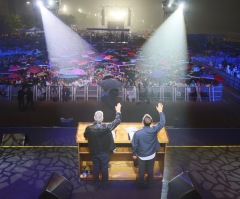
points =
(181, 5)
(118, 14)
(166, 49)
(170, 3)
(39, 3)
(50, 3)
(64, 9)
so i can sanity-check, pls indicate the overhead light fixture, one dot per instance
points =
(39, 3)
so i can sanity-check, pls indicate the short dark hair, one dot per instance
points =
(147, 120)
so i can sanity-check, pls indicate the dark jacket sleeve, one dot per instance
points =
(135, 142)
(85, 134)
(99, 136)
(115, 123)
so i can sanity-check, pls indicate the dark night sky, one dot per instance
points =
(206, 16)
(214, 16)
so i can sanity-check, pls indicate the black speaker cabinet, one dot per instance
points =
(57, 187)
(181, 187)
(13, 139)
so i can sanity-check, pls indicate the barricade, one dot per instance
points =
(151, 94)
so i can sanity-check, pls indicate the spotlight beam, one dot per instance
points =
(168, 45)
(62, 42)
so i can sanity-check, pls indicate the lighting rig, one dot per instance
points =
(170, 6)
(52, 5)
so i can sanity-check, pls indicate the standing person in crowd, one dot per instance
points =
(101, 144)
(65, 94)
(41, 94)
(132, 95)
(149, 90)
(145, 145)
(20, 97)
(30, 99)
(54, 93)
(112, 97)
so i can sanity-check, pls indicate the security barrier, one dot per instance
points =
(96, 93)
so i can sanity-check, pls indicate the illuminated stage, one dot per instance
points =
(26, 169)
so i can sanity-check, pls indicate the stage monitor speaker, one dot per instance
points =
(57, 187)
(17, 139)
(181, 187)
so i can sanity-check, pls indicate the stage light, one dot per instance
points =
(118, 14)
(165, 49)
(50, 3)
(64, 9)
(181, 5)
(170, 3)
(39, 3)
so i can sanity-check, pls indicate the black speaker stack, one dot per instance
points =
(181, 187)
(57, 187)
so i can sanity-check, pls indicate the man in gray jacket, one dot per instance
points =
(145, 145)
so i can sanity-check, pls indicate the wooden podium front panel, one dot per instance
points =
(121, 161)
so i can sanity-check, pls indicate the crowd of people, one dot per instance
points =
(25, 99)
(20, 54)
(220, 54)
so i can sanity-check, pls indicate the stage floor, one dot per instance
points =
(212, 162)
(204, 140)
(25, 171)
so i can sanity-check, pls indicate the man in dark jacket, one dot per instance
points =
(145, 145)
(101, 144)
(30, 99)
(20, 97)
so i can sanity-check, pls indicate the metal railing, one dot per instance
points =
(87, 93)
(229, 80)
